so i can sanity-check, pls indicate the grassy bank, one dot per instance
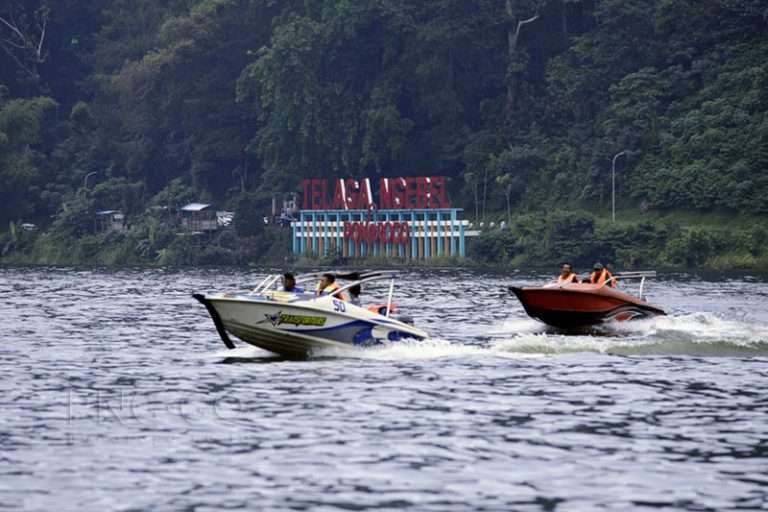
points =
(661, 240)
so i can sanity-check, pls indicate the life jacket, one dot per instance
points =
(382, 308)
(329, 290)
(570, 278)
(601, 276)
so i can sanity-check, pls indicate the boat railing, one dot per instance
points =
(373, 276)
(345, 276)
(640, 274)
(305, 278)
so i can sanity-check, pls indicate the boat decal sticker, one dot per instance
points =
(314, 321)
(273, 319)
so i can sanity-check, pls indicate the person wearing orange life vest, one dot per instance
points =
(601, 275)
(327, 285)
(567, 275)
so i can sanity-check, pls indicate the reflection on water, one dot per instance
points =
(113, 382)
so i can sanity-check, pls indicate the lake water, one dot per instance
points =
(117, 394)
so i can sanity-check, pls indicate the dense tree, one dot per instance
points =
(521, 103)
(20, 131)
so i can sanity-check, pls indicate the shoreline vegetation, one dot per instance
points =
(671, 241)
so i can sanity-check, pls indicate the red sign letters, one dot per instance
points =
(382, 232)
(394, 194)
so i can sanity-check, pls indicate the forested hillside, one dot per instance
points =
(523, 104)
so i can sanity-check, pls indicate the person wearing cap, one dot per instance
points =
(567, 275)
(289, 284)
(600, 275)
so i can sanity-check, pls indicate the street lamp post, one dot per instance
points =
(85, 180)
(613, 184)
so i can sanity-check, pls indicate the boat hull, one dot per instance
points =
(300, 328)
(577, 305)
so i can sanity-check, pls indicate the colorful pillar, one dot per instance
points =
(453, 235)
(294, 237)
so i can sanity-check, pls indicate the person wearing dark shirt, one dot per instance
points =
(289, 284)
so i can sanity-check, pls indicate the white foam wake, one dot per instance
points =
(432, 348)
(696, 327)
(690, 334)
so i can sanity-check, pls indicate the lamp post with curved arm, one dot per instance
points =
(613, 184)
(85, 180)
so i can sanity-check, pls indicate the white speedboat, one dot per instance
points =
(298, 324)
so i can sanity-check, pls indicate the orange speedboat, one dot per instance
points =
(578, 305)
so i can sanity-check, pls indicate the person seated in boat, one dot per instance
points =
(381, 309)
(327, 285)
(567, 275)
(601, 275)
(289, 284)
(355, 291)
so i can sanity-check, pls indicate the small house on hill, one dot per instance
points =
(198, 217)
(109, 220)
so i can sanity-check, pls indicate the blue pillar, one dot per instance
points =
(314, 234)
(375, 246)
(303, 233)
(294, 238)
(462, 245)
(440, 239)
(414, 241)
(324, 225)
(339, 234)
(351, 241)
(427, 239)
(453, 236)
(387, 245)
(363, 245)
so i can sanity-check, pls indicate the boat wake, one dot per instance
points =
(411, 350)
(696, 334)
(430, 348)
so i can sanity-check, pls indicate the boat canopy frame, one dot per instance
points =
(364, 276)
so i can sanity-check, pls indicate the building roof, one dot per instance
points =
(195, 207)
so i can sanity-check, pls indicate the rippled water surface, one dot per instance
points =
(118, 395)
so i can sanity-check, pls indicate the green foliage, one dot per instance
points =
(581, 239)
(145, 106)
(691, 248)
(118, 194)
(20, 133)
(497, 246)
(249, 216)
(175, 195)
(76, 218)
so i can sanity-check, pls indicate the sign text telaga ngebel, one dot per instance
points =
(394, 194)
